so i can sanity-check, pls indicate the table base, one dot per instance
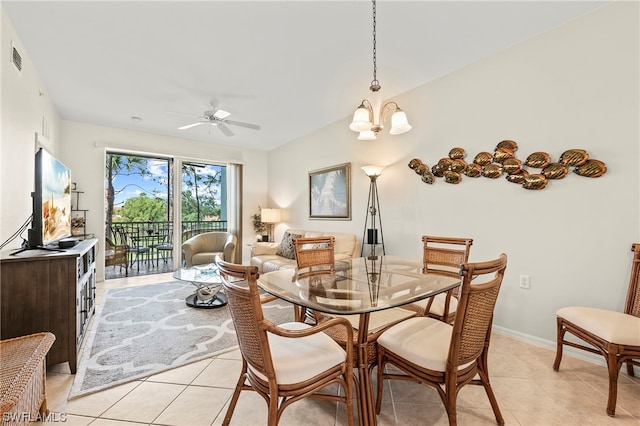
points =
(217, 301)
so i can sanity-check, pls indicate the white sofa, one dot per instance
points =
(265, 255)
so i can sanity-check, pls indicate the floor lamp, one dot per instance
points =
(373, 220)
(270, 217)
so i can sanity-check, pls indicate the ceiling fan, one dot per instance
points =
(218, 117)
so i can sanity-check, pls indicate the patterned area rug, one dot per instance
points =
(140, 331)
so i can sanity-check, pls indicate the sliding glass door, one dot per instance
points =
(203, 198)
(153, 204)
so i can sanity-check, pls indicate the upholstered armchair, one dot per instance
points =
(203, 248)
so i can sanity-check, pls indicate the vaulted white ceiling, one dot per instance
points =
(290, 66)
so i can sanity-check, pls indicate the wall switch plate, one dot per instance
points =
(525, 281)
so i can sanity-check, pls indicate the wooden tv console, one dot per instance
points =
(49, 291)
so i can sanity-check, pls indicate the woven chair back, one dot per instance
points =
(474, 316)
(317, 252)
(450, 252)
(633, 296)
(241, 288)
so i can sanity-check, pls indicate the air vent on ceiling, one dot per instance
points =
(16, 59)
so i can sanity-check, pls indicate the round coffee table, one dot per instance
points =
(208, 285)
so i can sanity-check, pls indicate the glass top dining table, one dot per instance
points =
(359, 286)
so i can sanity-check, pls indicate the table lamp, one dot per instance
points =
(270, 217)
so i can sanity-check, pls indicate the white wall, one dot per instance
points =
(573, 87)
(26, 110)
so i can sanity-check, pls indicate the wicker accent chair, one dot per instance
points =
(117, 255)
(443, 255)
(23, 374)
(287, 362)
(313, 256)
(444, 356)
(614, 335)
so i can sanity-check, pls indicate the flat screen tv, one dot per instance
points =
(51, 219)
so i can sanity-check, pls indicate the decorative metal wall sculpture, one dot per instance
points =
(503, 160)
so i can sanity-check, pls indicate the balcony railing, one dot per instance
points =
(146, 255)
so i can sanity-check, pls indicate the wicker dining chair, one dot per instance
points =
(287, 362)
(448, 356)
(314, 255)
(614, 335)
(443, 255)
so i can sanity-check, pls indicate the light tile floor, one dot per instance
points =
(529, 393)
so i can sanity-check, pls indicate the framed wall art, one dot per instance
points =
(330, 193)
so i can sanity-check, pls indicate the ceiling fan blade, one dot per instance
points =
(188, 126)
(224, 129)
(241, 124)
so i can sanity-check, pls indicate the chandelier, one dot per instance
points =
(368, 119)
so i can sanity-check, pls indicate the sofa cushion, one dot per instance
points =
(287, 248)
(264, 255)
(275, 263)
(260, 248)
(344, 244)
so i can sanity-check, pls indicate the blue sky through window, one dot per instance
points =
(155, 183)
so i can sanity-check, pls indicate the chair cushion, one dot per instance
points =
(298, 359)
(204, 257)
(422, 341)
(614, 327)
(437, 307)
(262, 248)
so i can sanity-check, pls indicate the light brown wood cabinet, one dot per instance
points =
(49, 291)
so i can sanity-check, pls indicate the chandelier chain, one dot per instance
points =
(375, 66)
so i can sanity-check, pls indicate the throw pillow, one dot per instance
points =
(286, 248)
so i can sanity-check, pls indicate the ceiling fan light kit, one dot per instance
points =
(218, 117)
(368, 119)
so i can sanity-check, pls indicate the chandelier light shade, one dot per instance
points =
(368, 119)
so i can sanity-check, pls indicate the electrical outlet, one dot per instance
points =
(525, 281)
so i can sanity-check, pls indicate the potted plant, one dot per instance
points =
(259, 227)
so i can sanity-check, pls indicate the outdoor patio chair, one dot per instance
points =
(116, 255)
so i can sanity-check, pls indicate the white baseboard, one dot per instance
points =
(550, 344)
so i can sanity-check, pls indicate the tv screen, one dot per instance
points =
(51, 201)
